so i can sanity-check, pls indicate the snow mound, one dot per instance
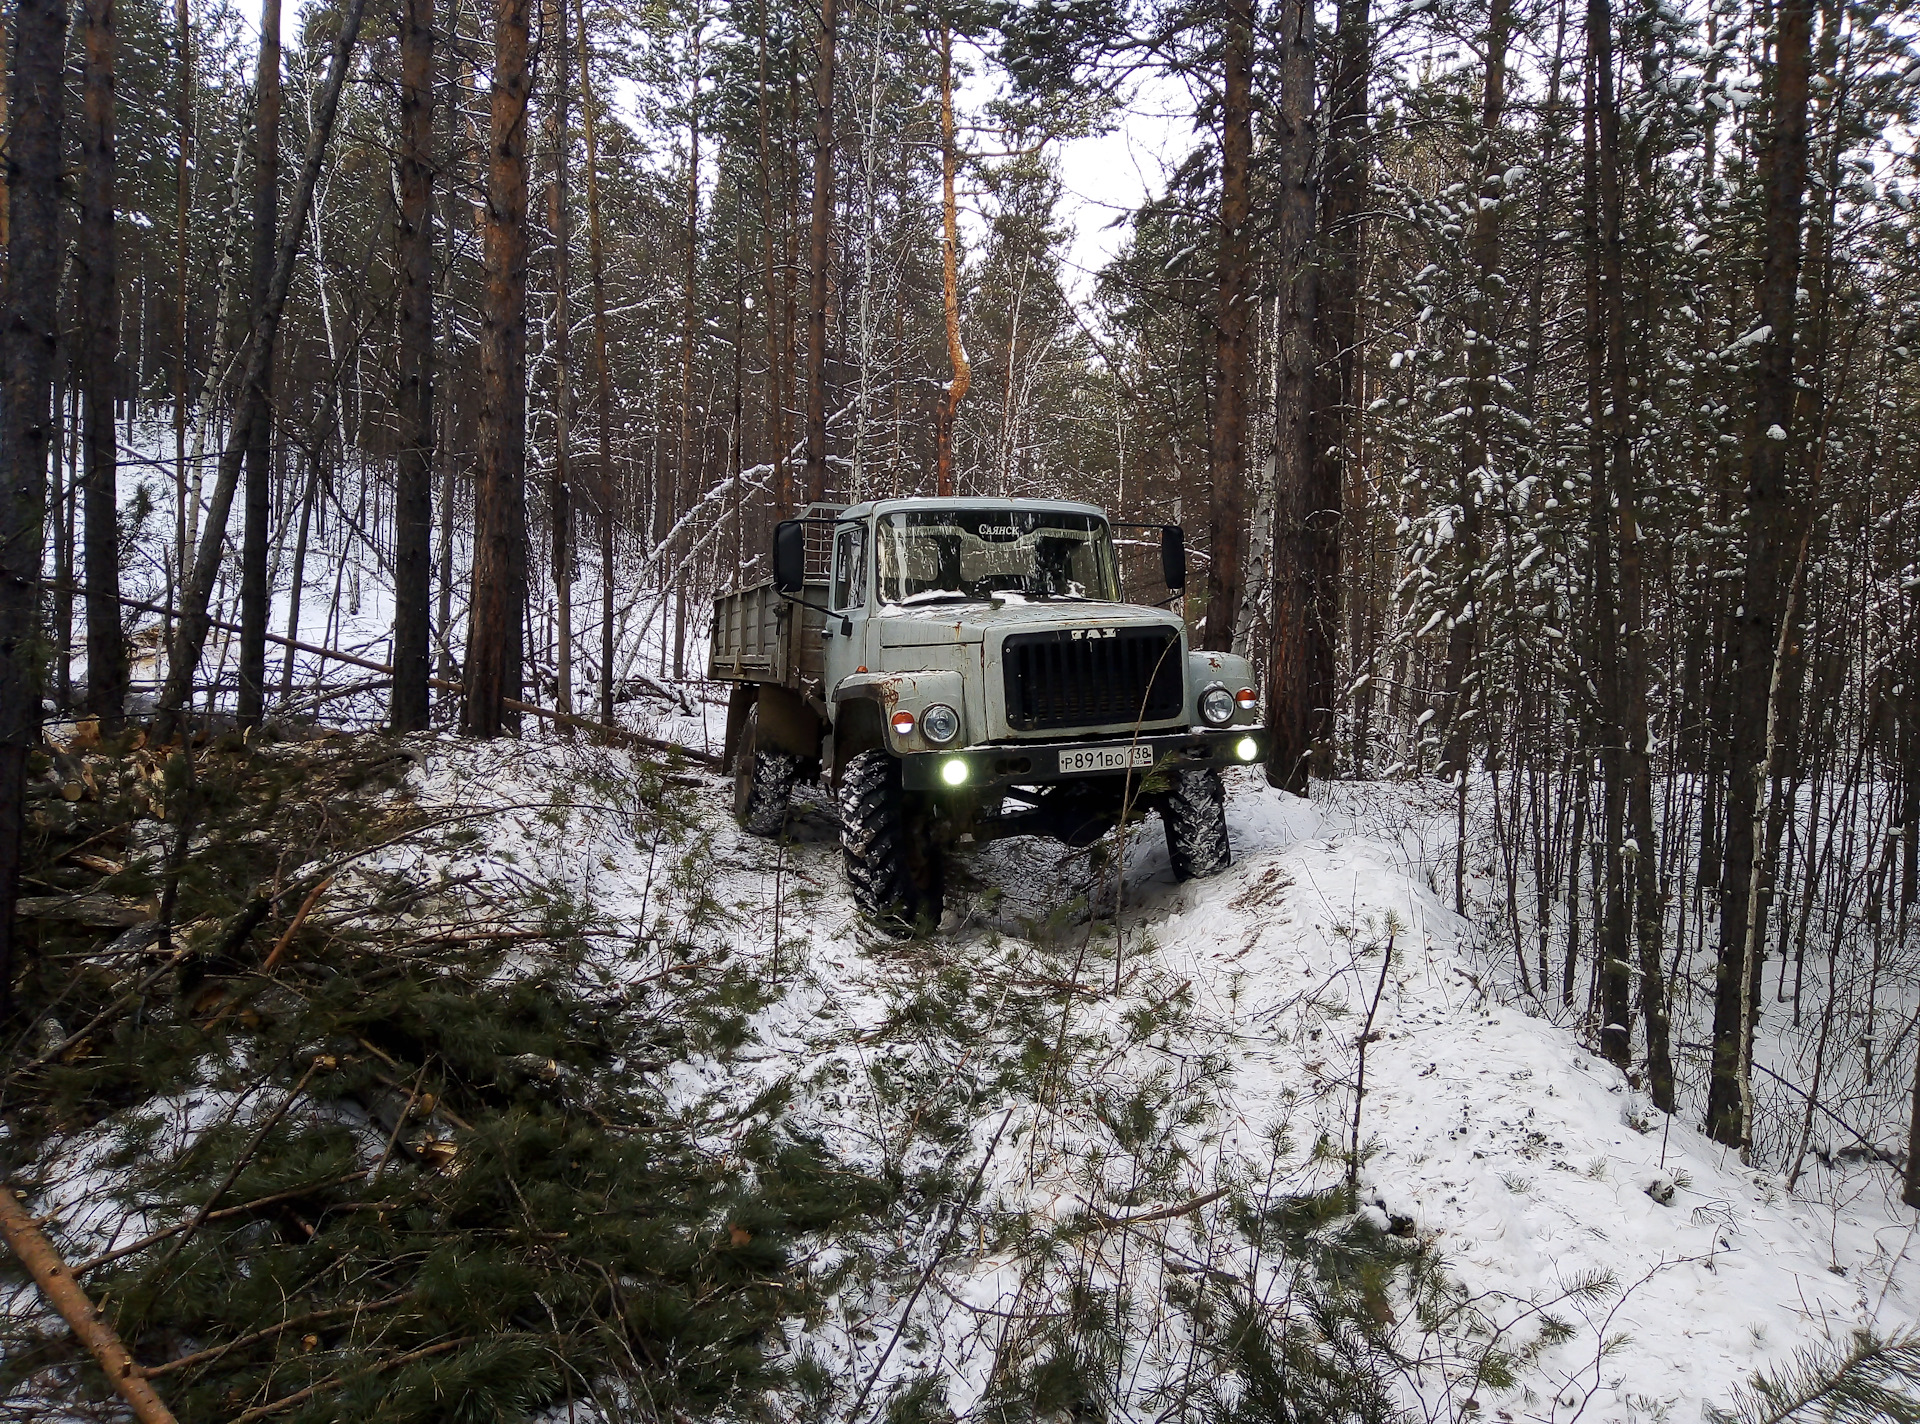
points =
(1530, 1163)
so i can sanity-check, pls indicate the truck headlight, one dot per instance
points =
(939, 724)
(1216, 706)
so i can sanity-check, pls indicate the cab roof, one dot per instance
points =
(969, 502)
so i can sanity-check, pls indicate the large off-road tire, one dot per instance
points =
(763, 778)
(1194, 810)
(894, 865)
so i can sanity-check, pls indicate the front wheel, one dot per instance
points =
(763, 778)
(893, 862)
(1195, 813)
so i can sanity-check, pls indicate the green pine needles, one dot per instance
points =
(1867, 1380)
(419, 1167)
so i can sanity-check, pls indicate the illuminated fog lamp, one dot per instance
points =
(1246, 749)
(903, 724)
(954, 771)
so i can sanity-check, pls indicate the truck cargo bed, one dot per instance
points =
(758, 636)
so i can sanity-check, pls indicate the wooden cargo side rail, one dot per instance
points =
(760, 635)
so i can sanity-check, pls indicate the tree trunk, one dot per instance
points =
(413, 474)
(97, 283)
(1289, 664)
(1226, 452)
(1335, 390)
(1643, 862)
(1477, 449)
(962, 374)
(297, 577)
(6, 126)
(1607, 449)
(37, 100)
(1769, 538)
(190, 633)
(62, 474)
(1910, 1177)
(560, 493)
(495, 631)
(602, 374)
(183, 194)
(819, 254)
(776, 426)
(254, 594)
(685, 490)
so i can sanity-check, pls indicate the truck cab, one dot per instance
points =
(968, 667)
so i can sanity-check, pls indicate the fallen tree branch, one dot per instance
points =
(301, 1396)
(202, 1357)
(240, 1163)
(619, 735)
(63, 1293)
(100, 912)
(293, 926)
(93, 1023)
(154, 1239)
(1165, 1213)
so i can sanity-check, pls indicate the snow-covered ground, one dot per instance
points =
(1045, 1074)
(1050, 1074)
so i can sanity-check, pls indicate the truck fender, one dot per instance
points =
(739, 702)
(890, 692)
(858, 726)
(1206, 668)
(787, 721)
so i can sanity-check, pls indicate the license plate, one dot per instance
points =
(1106, 758)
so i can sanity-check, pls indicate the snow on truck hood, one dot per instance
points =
(913, 626)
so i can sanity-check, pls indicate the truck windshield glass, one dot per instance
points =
(931, 555)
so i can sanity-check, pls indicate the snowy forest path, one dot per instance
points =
(1206, 1042)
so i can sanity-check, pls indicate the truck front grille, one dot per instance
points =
(1092, 677)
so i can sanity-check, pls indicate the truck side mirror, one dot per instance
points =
(789, 556)
(1173, 557)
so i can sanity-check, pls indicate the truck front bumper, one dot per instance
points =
(1029, 763)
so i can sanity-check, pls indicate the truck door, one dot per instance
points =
(845, 652)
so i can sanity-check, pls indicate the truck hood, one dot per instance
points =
(950, 623)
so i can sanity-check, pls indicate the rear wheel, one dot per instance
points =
(1195, 813)
(763, 778)
(893, 862)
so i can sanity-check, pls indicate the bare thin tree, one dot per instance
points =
(97, 292)
(413, 494)
(1771, 513)
(36, 98)
(257, 511)
(190, 632)
(1227, 437)
(820, 251)
(1289, 657)
(960, 378)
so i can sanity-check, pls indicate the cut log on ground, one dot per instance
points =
(63, 1293)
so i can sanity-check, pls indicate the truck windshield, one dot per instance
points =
(931, 555)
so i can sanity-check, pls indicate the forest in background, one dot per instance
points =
(1532, 381)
